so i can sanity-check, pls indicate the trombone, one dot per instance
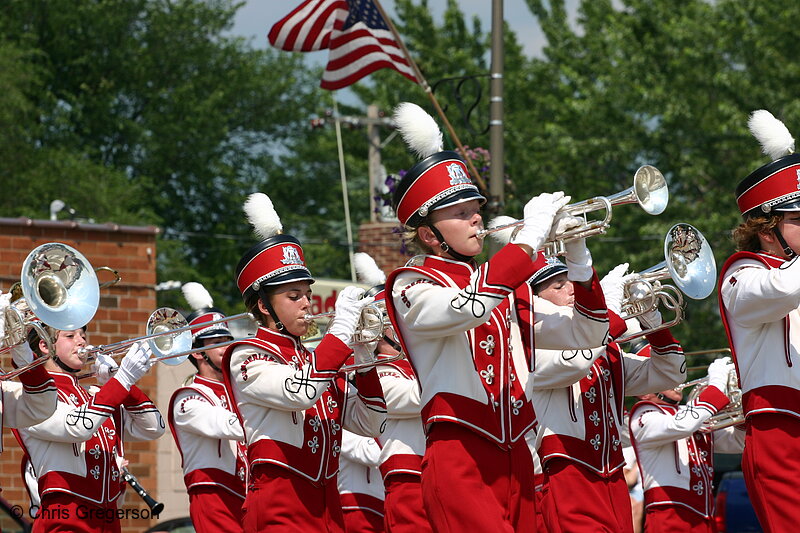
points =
(59, 289)
(649, 190)
(169, 337)
(688, 261)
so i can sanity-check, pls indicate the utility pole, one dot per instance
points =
(373, 157)
(496, 147)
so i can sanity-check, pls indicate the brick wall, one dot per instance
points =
(123, 312)
(379, 240)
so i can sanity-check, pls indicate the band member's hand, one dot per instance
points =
(718, 373)
(364, 354)
(104, 368)
(651, 319)
(135, 364)
(612, 285)
(539, 213)
(21, 354)
(347, 311)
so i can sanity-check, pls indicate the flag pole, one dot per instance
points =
(424, 84)
(343, 177)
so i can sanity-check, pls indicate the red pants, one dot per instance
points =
(771, 466)
(470, 484)
(672, 518)
(281, 501)
(64, 512)
(577, 499)
(540, 507)
(403, 508)
(215, 509)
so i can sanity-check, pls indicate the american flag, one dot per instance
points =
(358, 38)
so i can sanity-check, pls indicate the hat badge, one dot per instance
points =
(290, 256)
(457, 174)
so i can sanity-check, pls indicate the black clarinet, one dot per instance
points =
(130, 479)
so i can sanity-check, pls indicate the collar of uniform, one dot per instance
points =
(283, 340)
(772, 258)
(449, 266)
(213, 384)
(63, 378)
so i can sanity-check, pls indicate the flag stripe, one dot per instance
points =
(308, 27)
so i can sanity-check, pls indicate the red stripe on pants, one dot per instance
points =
(471, 484)
(771, 466)
(403, 510)
(578, 499)
(61, 512)
(672, 518)
(214, 509)
(280, 501)
(362, 521)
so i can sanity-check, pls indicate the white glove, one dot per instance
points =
(651, 319)
(538, 215)
(135, 364)
(363, 354)
(104, 368)
(612, 285)
(579, 260)
(718, 373)
(347, 312)
(21, 354)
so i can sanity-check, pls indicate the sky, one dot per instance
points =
(256, 17)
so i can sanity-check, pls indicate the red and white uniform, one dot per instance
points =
(469, 339)
(360, 484)
(293, 407)
(402, 448)
(28, 402)
(759, 297)
(75, 451)
(213, 455)
(579, 398)
(676, 461)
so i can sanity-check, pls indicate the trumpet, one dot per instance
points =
(59, 289)
(730, 415)
(688, 261)
(372, 326)
(649, 190)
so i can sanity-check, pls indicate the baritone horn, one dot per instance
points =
(59, 289)
(688, 261)
(371, 327)
(730, 415)
(649, 190)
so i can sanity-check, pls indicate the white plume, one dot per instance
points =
(367, 270)
(197, 296)
(503, 236)
(420, 132)
(262, 216)
(775, 139)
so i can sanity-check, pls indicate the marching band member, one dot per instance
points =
(206, 429)
(77, 452)
(676, 459)
(579, 397)
(291, 401)
(33, 399)
(360, 484)
(403, 439)
(759, 297)
(469, 339)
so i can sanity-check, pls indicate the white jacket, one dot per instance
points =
(28, 402)
(760, 307)
(293, 403)
(676, 461)
(75, 450)
(209, 436)
(359, 481)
